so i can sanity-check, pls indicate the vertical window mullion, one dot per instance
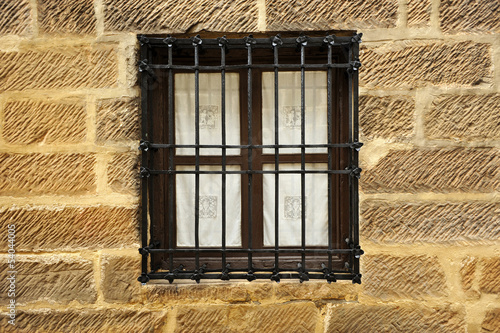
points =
(249, 41)
(222, 44)
(197, 42)
(170, 177)
(302, 149)
(276, 43)
(330, 152)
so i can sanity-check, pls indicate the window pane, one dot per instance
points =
(289, 99)
(316, 205)
(210, 112)
(210, 211)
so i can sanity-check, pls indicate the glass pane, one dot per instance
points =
(210, 112)
(290, 209)
(289, 99)
(210, 211)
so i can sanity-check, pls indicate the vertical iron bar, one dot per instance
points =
(330, 157)
(223, 140)
(351, 209)
(170, 158)
(355, 185)
(276, 158)
(197, 42)
(250, 152)
(303, 150)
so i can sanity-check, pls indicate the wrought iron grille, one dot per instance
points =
(161, 59)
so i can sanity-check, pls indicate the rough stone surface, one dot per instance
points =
(464, 117)
(117, 120)
(417, 64)
(491, 322)
(293, 317)
(315, 291)
(389, 277)
(53, 279)
(66, 16)
(386, 117)
(123, 173)
(15, 17)
(234, 292)
(46, 173)
(71, 228)
(27, 122)
(490, 277)
(419, 13)
(468, 272)
(119, 284)
(469, 16)
(320, 15)
(65, 67)
(394, 318)
(430, 222)
(85, 320)
(435, 170)
(180, 16)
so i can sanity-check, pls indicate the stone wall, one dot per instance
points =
(430, 203)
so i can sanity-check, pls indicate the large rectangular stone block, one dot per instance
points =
(327, 15)
(15, 17)
(174, 16)
(60, 16)
(406, 65)
(65, 67)
(28, 122)
(435, 170)
(464, 117)
(491, 322)
(35, 173)
(419, 13)
(490, 277)
(119, 278)
(117, 120)
(433, 222)
(406, 317)
(41, 228)
(469, 16)
(410, 277)
(56, 279)
(123, 173)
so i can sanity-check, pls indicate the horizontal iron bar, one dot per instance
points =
(256, 66)
(333, 145)
(236, 276)
(248, 172)
(231, 250)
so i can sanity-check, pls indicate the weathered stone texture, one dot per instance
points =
(180, 16)
(296, 317)
(320, 15)
(468, 272)
(387, 117)
(430, 222)
(123, 173)
(491, 322)
(85, 320)
(419, 13)
(234, 292)
(315, 291)
(15, 17)
(68, 67)
(54, 279)
(117, 120)
(435, 170)
(66, 16)
(469, 16)
(490, 277)
(416, 64)
(71, 228)
(27, 122)
(119, 284)
(464, 117)
(389, 277)
(394, 318)
(47, 174)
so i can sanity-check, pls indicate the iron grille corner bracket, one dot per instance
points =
(145, 68)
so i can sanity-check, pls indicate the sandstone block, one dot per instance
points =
(435, 170)
(419, 13)
(464, 117)
(51, 278)
(46, 174)
(392, 277)
(15, 17)
(229, 293)
(41, 228)
(406, 65)
(490, 277)
(173, 16)
(387, 117)
(117, 120)
(315, 291)
(123, 173)
(85, 320)
(468, 274)
(491, 322)
(469, 16)
(119, 283)
(61, 16)
(66, 67)
(430, 222)
(394, 318)
(326, 15)
(27, 122)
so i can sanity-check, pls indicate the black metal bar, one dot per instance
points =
(284, 275)
(251, 172)
(233, 43)
(222, 44)
(349, 158)
(277, 42)
(256, 66)
(171, 152)
(335, 145)
(329, 40)
(240, 250)
(196, 43)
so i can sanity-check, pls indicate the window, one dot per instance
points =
(250, 157)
